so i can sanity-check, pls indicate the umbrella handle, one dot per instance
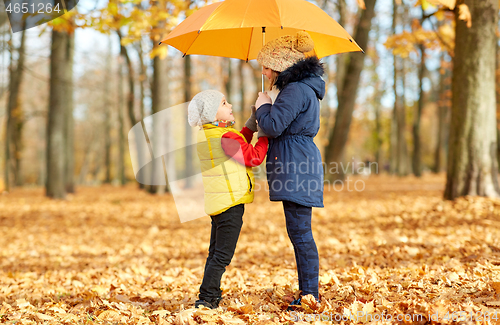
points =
(263, 43)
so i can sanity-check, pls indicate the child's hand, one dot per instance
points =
(253, 109)
(260, 133)
(262, 99)
(251, 123)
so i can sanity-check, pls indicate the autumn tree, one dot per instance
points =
(417, 41)
(14, 120)
(472, 164)
(159, 89)
(398, 146)
(334, 152)
(444, 99)
(131, 21)
(55, 186)
(69, 152)
(60, 139)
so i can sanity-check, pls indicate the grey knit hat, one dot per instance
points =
(203, 107)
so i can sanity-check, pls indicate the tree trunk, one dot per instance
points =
(142, 81)
(88, 152)
(55, 186)
(121, 126)
(131, 82)
(42, 157)
(417, 168)
(69, 125)
(8, 132)
(442, 113)
(18, 124)
(402, 157)
(334, 152)
(378, 127)
(160, 101)
(394, 120)
(342, 58)
(497, 88)
(472, 164)
(107, 116)
(15, 118)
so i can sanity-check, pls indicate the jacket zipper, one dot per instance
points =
(250, 181)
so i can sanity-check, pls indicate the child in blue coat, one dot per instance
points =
(293, 166)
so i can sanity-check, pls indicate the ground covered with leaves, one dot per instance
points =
(392, 253)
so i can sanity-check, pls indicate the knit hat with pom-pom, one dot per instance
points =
(285, 51)
(203, 107)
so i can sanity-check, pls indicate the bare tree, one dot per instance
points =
(334, 152)
(121, 125)
(15, 119)
(69, 124)
(442, 117)
(55, 185)
(107, 116)
(472, 164)
(160, 101)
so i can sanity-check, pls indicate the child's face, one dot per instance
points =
(267, 72)
(225, 111)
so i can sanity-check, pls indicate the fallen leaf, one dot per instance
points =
(43, 317)
(109, 316)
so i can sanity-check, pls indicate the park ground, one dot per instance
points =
(118, 255)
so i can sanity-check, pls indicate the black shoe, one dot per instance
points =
(297, 303)
(200, 302)
(294, 304)
(217, 301)
(209, 304)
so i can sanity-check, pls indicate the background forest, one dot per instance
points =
(116, 75)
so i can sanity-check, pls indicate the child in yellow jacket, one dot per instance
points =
(226, 158)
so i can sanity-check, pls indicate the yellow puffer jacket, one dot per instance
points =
(226, 182)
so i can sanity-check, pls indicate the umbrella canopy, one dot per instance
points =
(234, 28)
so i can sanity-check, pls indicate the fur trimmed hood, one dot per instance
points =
(308, 71)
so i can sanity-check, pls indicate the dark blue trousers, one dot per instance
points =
(298, 226)
(225, 232)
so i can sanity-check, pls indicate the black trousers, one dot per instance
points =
(226, 229)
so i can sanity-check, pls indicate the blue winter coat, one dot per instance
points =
(293, 164)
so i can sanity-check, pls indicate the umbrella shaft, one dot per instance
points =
(263, 43)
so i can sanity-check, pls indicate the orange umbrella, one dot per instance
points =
(238, 28)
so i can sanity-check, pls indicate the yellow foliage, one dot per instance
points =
(407, 42)
(439, 15)
(66, 22)
(464, 14)
(426, 5)
(134, 21)
(160, 51)
(447, 3)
